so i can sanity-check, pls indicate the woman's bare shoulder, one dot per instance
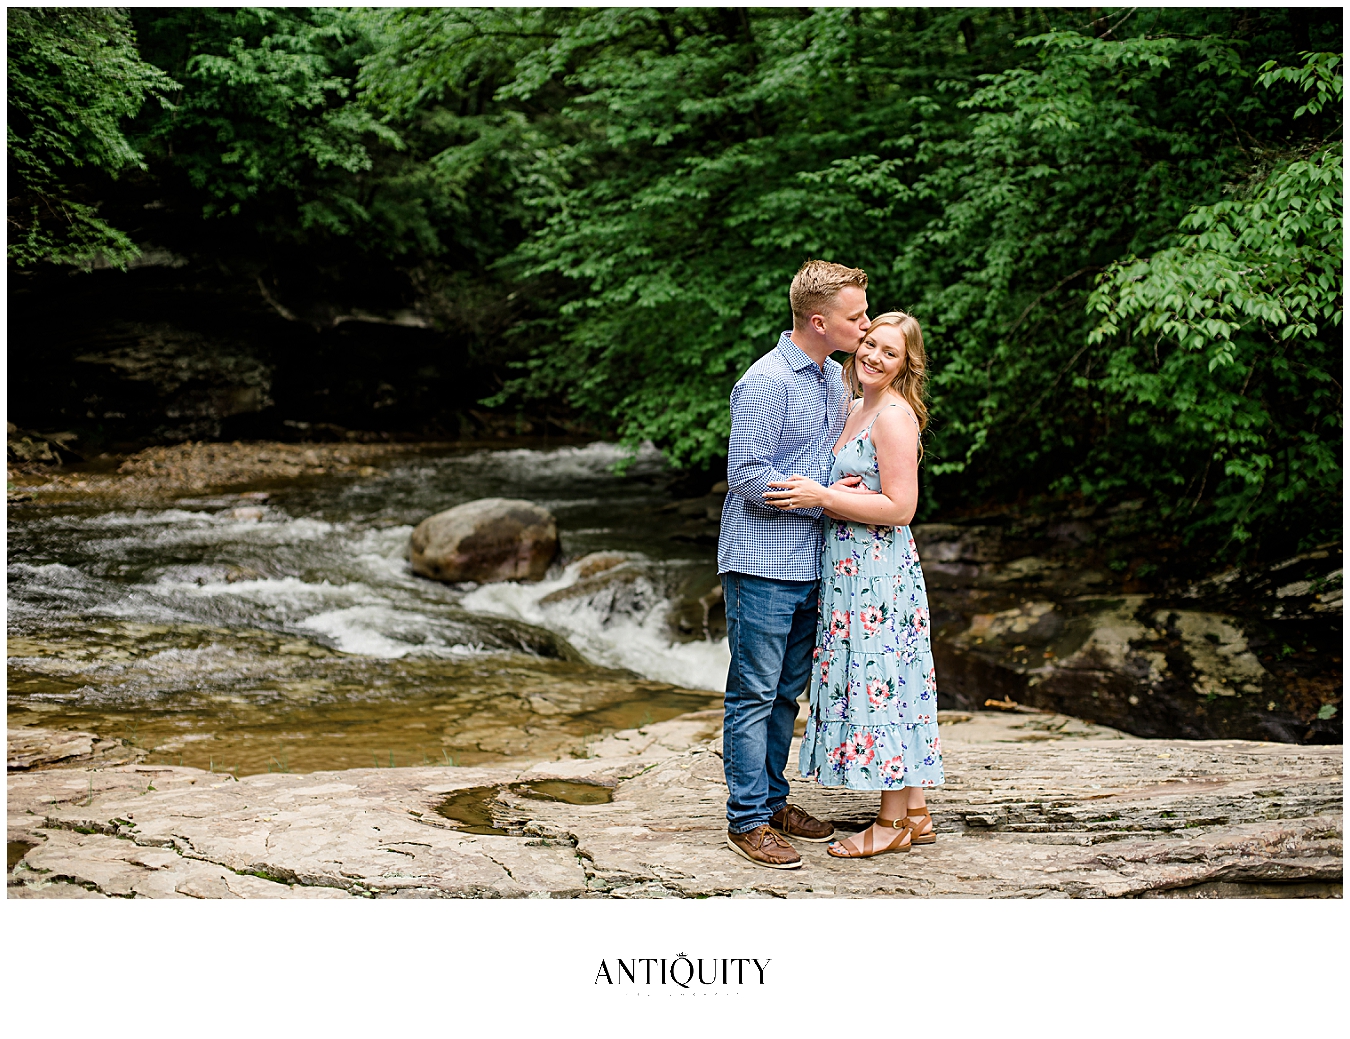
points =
(898, 418)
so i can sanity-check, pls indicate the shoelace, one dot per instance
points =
(788, 814)
(771, 837)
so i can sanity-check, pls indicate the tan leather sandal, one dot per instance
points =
(900, 843)
(916, 819)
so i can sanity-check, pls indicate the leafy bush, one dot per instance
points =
(74, 77)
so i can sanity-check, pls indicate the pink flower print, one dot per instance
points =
(930, 681)
(923, 719)
(936, 746)
(861, 746)
(871, 618)
(825, 671)
(893, 770)
(841, 756)
(848, 567)
(913, 548)
(927, 782)
(839, 622)
(920, 619)
(879, 692)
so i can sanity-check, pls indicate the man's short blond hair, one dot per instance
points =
(816, 284)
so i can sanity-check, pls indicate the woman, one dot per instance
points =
(873, 714)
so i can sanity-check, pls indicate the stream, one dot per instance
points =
(283, 630)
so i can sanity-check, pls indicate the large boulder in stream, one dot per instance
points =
(491, 539)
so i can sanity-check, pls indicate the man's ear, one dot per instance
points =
(818, 323)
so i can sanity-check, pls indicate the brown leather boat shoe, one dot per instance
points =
(791, 821)
(763, 847)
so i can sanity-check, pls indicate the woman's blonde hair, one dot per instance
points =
(911, 382)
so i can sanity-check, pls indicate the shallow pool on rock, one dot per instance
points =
(481, 809)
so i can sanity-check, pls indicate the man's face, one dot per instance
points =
(845, 322)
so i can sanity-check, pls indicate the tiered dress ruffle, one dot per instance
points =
(873, 720)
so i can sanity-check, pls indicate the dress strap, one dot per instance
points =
(908, 411)
(912, 417)
(878, 414)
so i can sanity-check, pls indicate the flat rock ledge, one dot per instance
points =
(1035, 806)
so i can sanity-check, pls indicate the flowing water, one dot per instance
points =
(292, 635)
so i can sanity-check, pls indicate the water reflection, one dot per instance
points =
(491, 809)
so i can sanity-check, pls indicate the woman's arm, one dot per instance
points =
(849, 485)
(897, 446)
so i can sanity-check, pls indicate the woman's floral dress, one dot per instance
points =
(873, 721)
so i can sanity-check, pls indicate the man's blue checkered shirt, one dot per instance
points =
(786, 414)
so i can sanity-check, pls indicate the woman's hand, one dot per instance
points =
(852, 485)
(797, 492)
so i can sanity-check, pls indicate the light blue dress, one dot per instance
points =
(873, 720)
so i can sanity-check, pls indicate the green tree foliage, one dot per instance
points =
(1120, 227)
(264, 124)
(1229, 359)
(74, 77)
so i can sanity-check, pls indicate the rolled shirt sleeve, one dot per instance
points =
(786, 413)
(758, 408)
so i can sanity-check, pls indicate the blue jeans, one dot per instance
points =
(771, 630)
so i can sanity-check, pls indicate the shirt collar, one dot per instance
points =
(796, 360)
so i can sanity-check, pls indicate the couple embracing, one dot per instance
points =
(821, 578)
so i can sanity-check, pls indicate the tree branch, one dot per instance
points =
(1050, 291)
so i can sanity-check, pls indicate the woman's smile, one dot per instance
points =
(881, 357)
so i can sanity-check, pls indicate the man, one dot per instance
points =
(787, 411)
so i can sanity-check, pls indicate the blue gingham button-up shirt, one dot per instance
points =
(786, 414)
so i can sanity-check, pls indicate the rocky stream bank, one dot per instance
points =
(1036, 805)
(1058, 607)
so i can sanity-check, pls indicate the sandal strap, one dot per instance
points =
(869, 842)
(895, 824)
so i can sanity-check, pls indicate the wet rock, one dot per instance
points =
(598, 562)
(624, 590)
(697, 612)
(33, 748)
(1046, 610)
(492, 539)
(166, 472)
(663, 738)
(1307, 586)
(191, 381)
(695, 520)
(1121, 662)
(50, 449)
(949, 543)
